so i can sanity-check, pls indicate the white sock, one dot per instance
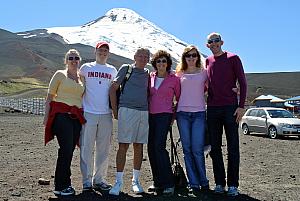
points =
(135, 175)
(119, 177)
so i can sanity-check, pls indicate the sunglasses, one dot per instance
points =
(214, 40)
(158, 61)
(194, 55)
(73, 58)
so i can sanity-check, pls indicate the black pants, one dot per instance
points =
(158, 155)
(67, 131)
(217, 118)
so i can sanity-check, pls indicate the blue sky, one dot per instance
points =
(264, 33)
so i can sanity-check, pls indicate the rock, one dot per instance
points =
(43, 181)
(293, 176)
(16, 193)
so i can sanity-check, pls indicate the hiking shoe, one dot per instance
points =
(56, 193)
(168, 191)
(219, 189)
(152, 188)
(68, 191)
(193, 191)
(87, 189)
(115, 190)
(102, 186)
(205, 188)
(232, 191)
(136, 187)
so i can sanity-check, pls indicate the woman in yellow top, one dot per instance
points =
(63, 118)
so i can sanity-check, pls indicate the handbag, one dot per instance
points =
(180, 179)
(207, 146)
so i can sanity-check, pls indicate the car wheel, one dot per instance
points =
(272, 132)
(245, 129)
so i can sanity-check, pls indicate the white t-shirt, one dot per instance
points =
(98, 79)
(158, 82)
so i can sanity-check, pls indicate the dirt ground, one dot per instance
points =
(269, 168)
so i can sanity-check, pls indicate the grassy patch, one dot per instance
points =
(29, 81)
(15, 86)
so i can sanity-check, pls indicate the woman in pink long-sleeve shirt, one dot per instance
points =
(163, 87)
(191, 117)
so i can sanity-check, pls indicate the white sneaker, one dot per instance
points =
(152, 188)
(219, 189)
(232, 191)
(115, 190)
(136, 187)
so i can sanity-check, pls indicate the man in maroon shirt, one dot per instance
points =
(224, 109)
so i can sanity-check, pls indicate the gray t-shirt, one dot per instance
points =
(135, 93)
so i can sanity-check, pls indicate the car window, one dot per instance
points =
(261, 113)
(280, 114)
(252, 113)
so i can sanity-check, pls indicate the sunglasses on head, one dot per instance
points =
(161, 61)
(214, 40)
(73, 58)
(194, 55)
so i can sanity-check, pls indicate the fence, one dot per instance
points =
(26, 105)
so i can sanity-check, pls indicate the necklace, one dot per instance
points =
(73, 77)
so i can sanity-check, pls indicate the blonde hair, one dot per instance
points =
(71, 51)
(182, 66)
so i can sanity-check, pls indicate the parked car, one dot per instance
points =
(270, 121)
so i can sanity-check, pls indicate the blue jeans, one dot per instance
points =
(158, 155)
(217, 118)
(191, 126)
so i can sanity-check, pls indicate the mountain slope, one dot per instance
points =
(38, 53)
(124, 29)
(284, 84)
(40, 57)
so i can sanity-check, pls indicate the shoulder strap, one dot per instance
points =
(147, 70)
(129, 71)
(127, 76)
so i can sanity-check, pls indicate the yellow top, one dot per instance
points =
(66, 90)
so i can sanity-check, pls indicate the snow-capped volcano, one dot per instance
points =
(123, 28)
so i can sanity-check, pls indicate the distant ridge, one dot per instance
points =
(39, 53)
(281, 84)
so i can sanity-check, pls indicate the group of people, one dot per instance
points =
(82, 102)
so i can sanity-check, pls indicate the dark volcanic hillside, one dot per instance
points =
(40, 57)
(283, 84)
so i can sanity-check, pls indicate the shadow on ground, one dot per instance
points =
(180, 195)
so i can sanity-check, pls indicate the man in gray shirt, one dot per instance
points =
(132, 116)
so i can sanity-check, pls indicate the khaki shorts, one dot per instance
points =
(133, 126)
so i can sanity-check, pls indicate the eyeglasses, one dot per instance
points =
(73, 58)
(158, 61)
(214, 40)
(194, 55)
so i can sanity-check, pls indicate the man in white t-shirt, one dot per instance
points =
(97, 77)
